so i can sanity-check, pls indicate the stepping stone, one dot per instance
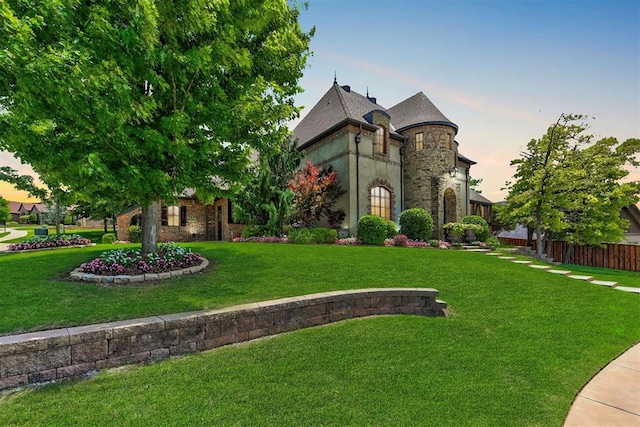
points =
(540, 267)
(563, 272)
(628, 289)
(604, 283)
(494, 253)
(506, 257)
(578, 277)
(478, 250)
(523, 262)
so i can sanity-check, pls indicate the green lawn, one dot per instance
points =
(93, 234)
(519, 344)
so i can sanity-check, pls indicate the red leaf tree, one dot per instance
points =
(315, 191)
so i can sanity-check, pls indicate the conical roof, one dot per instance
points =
(417, 110)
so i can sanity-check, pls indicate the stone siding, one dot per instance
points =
(60, 353)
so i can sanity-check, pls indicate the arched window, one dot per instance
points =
(381, 202)
(381, 140)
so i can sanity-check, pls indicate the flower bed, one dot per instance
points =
(271, 239)
(169, 257)
(46, 242)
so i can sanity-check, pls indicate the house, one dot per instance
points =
(14, 207)
(480, 205)
(187, 219)
(388, 159)
(632, 214)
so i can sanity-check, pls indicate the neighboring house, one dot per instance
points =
(480, 205)
(39, 210)
(25, 208)
(186, 220)
(14, 207)
(632, 214)
(388, 159)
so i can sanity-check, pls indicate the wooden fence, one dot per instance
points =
(618, 257)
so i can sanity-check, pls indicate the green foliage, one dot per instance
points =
(569, 187)
(474, 184)
(266, 201)
(500, 219)
(478, 220)
(372, 230)
(493, 243)
(392, 229)
(5, 211)
(135, 234)
(109, 238)
(28, 219)
(416, 224)
(252, 231)
(151, 97)
(324, 235)
(302, 236)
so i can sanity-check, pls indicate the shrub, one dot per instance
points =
(372, 230)
(434, 243)
(478, 220)
(108, 238)
(252, 231)
(302, 236)
(392, 229)
(135, 234)
(493, 242)
(416, 224)
(24, 219)
(324, 235)
(400, 240)
(11, 223)
(457, 245)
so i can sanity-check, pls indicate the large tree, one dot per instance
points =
(5, 211)
(148, 96)
(569, 186)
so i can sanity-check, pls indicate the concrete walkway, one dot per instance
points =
(612, 397)
(13, 234)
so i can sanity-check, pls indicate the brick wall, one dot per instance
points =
(60, 353)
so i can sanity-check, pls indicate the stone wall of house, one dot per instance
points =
(60, 353)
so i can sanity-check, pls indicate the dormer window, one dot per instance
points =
(381, 140)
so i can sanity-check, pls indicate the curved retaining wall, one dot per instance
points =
(60, 353)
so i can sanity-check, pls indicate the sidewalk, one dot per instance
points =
(612, 397)
(13, 234)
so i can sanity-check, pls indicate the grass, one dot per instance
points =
(3, 233)
(516, 350)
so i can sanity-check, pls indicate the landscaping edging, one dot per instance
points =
(77, 274)
(60, 353)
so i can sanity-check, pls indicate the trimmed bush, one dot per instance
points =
(372, 230)
(302, 236)
(416, 224)
(252, 231)
(392, 229)
(400, 240)
(135, 234)
(478, 220)
(108, 238)
(324, 235)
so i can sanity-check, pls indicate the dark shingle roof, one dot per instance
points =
(417, 110)
(338, 105)
(474, 196)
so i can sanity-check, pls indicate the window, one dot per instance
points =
(419, 141)
(381, 202)
(173, 216)
(381, 140)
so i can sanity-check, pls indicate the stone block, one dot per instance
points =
(184, 348)
(42, 376)
(118, 347)
(154, 340)
(89, 352)
(33, 341)
(14, 381)
(246, 323)
(150, 276)
(89, 333)
(212, 330)
(361, 303)
(257, 333)
(159, 354)
(192, 334)
(75, 370)
(242, 336)
(181, 320)
(264, 320)
(127, 328)
(35, 361)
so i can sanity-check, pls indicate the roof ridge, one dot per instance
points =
(343, 104)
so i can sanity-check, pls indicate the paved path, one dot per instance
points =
(612, 397)
(13, 234)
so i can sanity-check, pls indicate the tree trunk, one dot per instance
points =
(568, 253)
(539, 237)
(149, 219)
(113, 223)
(529, 236)
(104, 220)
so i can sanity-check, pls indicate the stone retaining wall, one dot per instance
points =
(60, 353)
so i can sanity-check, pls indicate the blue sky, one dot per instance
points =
(503, 71)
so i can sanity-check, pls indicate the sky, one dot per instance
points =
(503, 71)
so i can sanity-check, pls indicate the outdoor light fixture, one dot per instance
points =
(453, 172)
